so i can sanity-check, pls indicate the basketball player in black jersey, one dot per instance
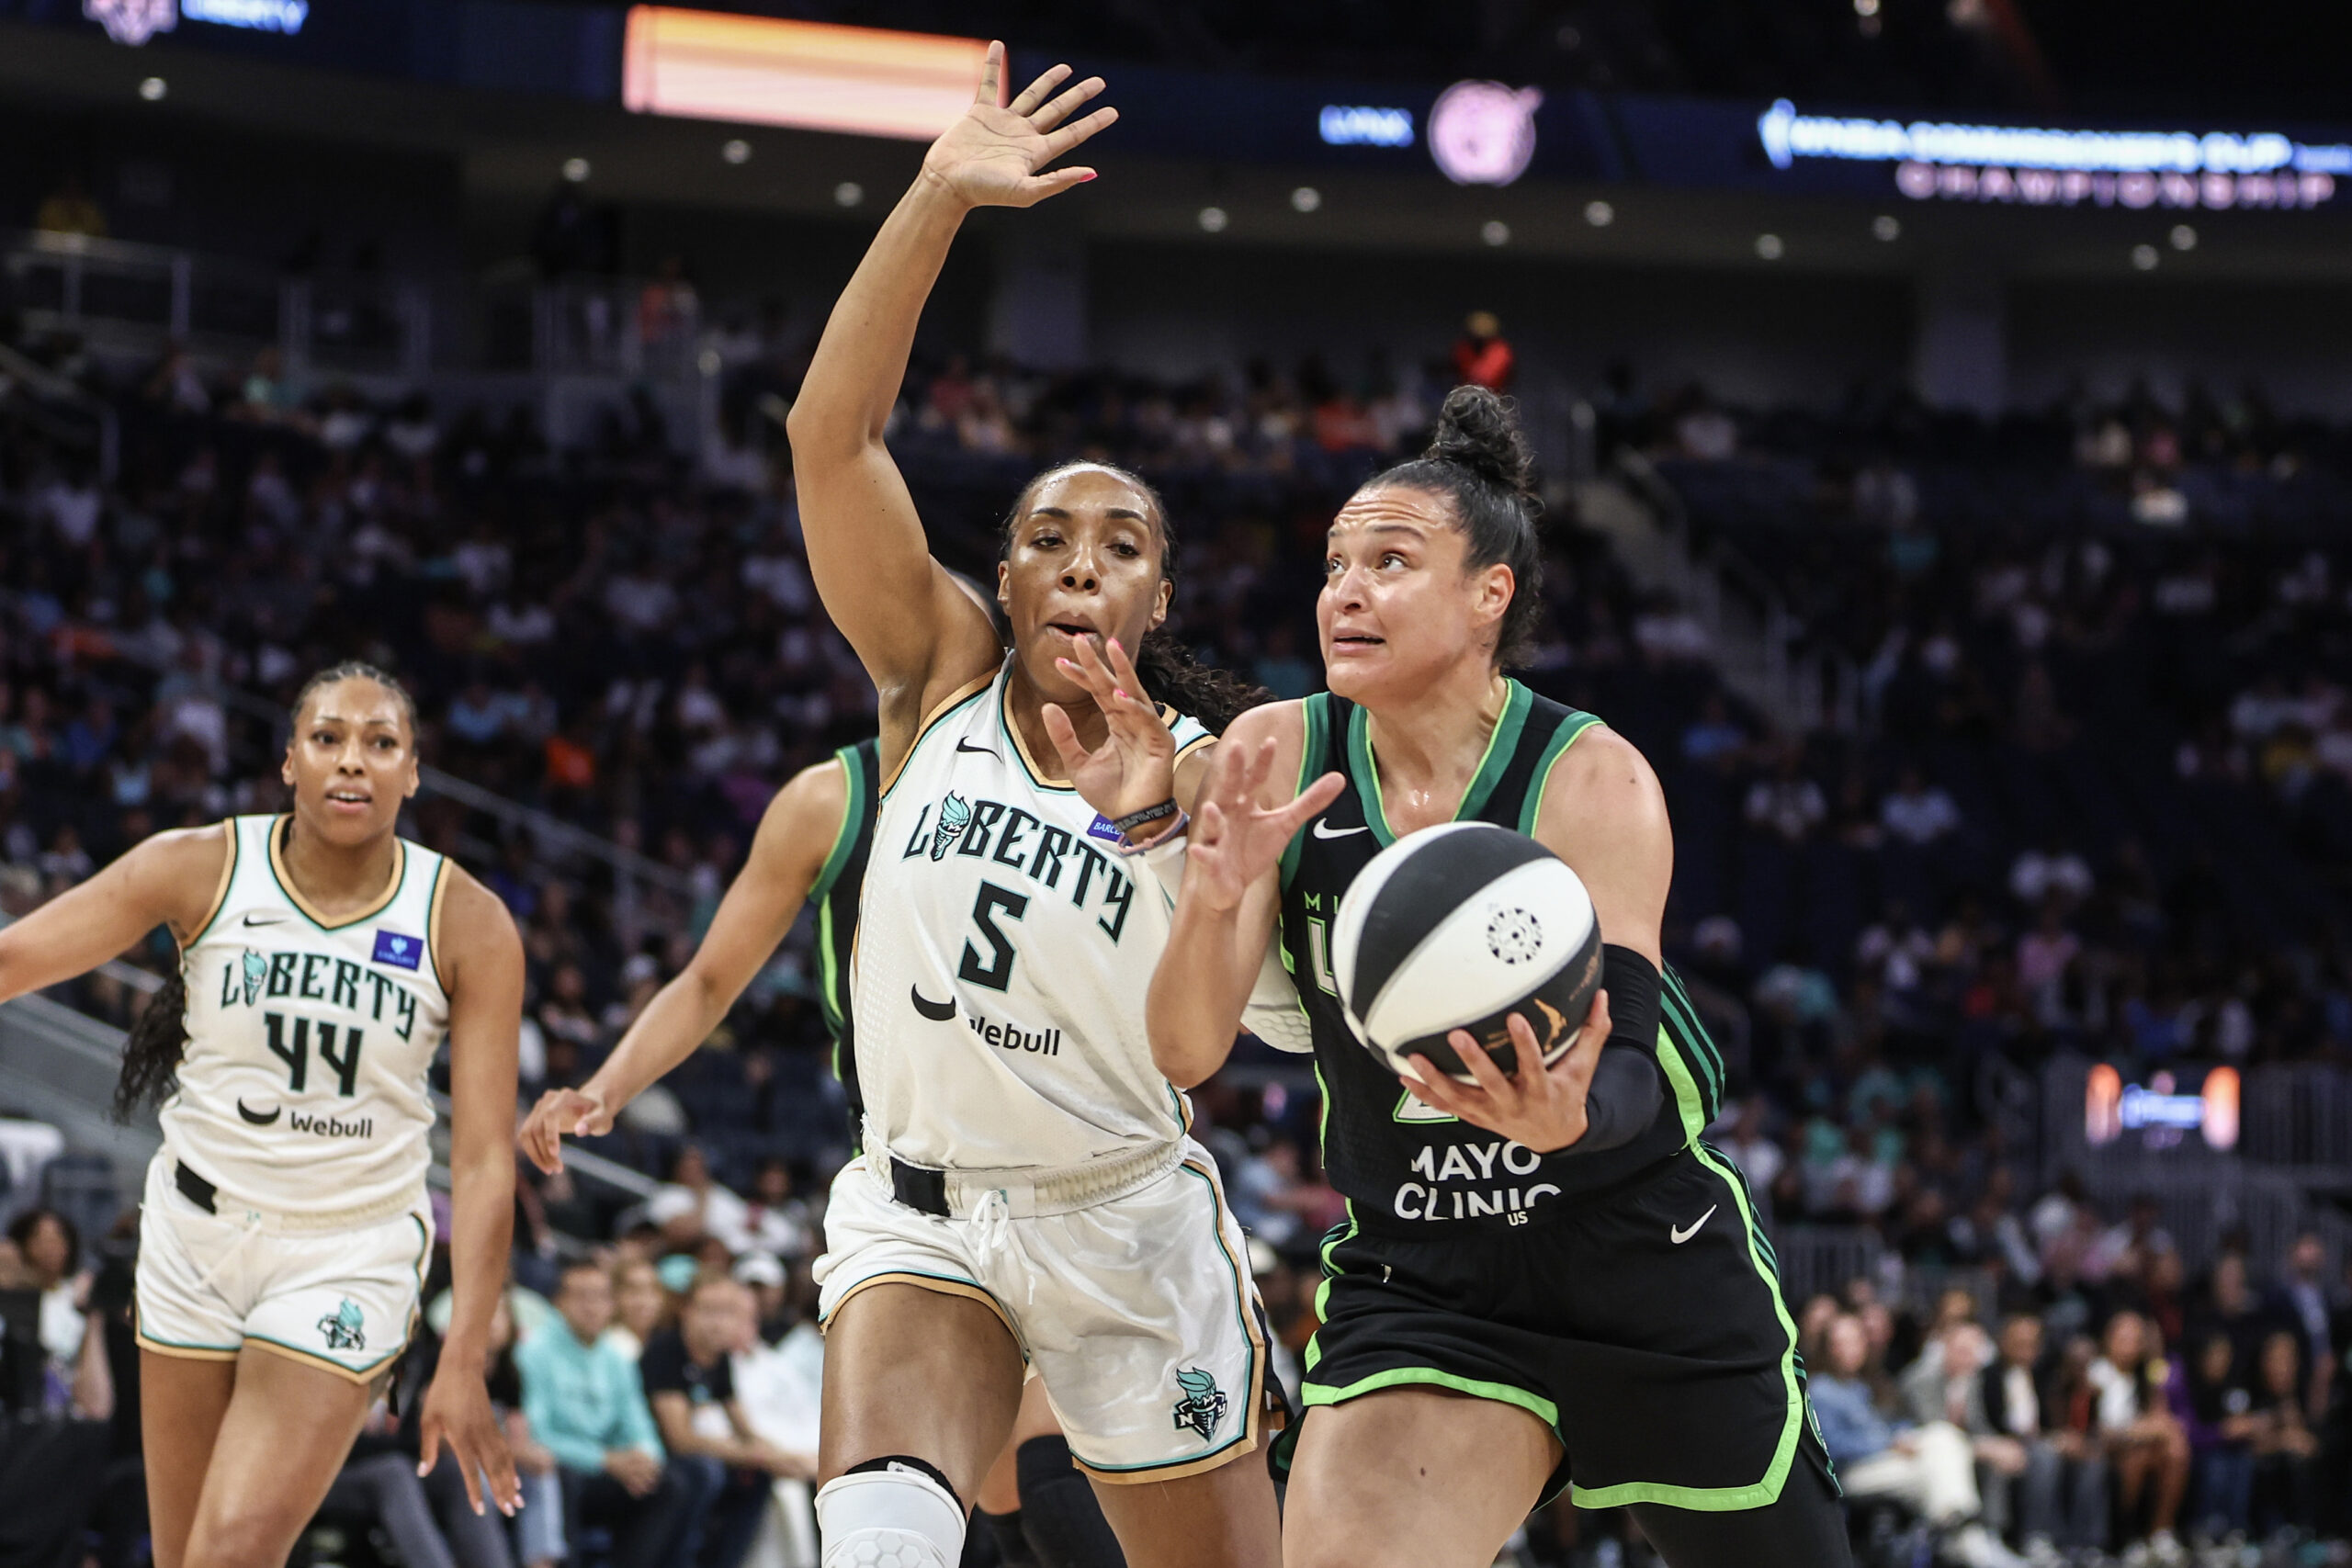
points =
(1546, 1279)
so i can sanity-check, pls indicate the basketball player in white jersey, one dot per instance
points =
(285, 1229)
(1027, 1190)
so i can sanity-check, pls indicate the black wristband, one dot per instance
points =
(1126, 826)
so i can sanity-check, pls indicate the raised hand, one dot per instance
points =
(558, 1114)
(1135, 767)
(1538, 1107)
(990, 157)
(1234, 838)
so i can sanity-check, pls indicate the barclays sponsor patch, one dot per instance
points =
(1101, 829)
(401, 951)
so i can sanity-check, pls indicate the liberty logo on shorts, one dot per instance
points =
(1204, 1404)
(342, 1327)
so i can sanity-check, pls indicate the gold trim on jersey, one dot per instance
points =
(220, 894)
(962, 694)
(433, 905)
(286, 882)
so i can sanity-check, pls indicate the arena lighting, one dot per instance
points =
(256, 15)
(2065, 168)
(812, 75)
(1357, 124)
(1482, 133)
(2160, 1115)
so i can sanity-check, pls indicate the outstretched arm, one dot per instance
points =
(795, 838)
(173, 879)
(1226, 911)
(918, 634)
(485, 977)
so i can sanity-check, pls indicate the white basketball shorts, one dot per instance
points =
(209, 1284)
(1137, 1313)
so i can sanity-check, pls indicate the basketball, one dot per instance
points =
(1459, 927)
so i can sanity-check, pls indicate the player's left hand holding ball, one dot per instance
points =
(457, 1411)
(1543, 1109)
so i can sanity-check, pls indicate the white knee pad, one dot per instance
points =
(894, 1517)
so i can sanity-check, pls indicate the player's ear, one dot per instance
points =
(1160, 603)
(1004, 586)
(1497, 585)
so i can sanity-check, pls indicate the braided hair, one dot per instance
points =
(1170, 674)
(157, 1041)
(1479, 460)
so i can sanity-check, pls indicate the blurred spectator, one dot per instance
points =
(1930, 1468)
(2222, 1428)
(641, 1307)
(2286, 1451)
(71, 210)
(689, 1379)
(2061, 1498)
(2049, 869)
(693, 1206)
(1918, 812)
(1715, 740)
(585, 1405)
(1482, 356)
(2145, 1442)
(1787, 803)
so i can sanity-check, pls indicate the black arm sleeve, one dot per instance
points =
(1626, 1089)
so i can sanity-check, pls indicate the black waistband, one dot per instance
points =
(921, 1190)
(195, 1188)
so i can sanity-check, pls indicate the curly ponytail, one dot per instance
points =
(151, 1056)
(1170, 674)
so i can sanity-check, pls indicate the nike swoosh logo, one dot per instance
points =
(266, 920)
(256, 1117)
(938, 1012)
(1678, 1235)
(1325, 831)
(964, 744)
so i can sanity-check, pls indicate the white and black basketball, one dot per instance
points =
(1458, 927)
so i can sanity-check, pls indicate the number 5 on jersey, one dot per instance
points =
(995, 971)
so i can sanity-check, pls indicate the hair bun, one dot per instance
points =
(1478, 430)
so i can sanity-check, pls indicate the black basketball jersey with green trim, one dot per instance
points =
(1393, 1158)
(835, 893)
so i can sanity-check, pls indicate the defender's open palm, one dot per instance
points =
(1135, 767)
(1236, 837)
(990, 157)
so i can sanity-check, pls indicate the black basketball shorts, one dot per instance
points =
(1645, 1328)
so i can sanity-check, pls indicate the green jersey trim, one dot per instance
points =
(853, 815)
(1544, 1410)
(1500, 744)
(1723, 1499)
(1532, 810)
(1315, 714)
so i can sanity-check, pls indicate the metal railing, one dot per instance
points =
(138, 297)
(1739, 605)
(51, 393)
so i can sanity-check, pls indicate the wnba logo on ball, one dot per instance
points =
(1482, 133)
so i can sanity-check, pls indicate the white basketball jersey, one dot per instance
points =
(1004, 949)
(303, 1087)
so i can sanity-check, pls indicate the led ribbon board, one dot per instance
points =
(2065, 168)
(811, 75)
